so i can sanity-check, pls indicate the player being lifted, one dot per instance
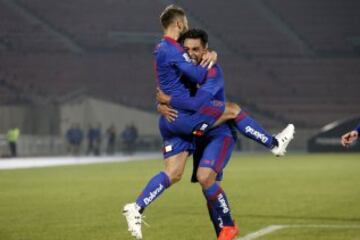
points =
(172, 65)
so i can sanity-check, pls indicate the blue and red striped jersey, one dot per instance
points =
(173, 66)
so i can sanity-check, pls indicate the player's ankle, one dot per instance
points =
(274, 143)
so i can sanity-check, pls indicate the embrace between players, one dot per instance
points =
(196, 119)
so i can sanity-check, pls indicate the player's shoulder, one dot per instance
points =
(167, 48)
(215, 71)
(170, 45)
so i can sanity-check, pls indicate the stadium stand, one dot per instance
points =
(288, 60)
(327, 25)
(18, 34)
(246, 27)
(92, 23)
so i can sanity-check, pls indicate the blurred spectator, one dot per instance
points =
(129, 136)
(12, 137)
(98, 138)
(94, 140)
(111, 135)
(74, 136)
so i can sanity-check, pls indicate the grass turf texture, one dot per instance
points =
(85, 202)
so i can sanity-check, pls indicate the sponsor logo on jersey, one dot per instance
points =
(153, 195)
(223, 204)
(256, 134)
(186, 57)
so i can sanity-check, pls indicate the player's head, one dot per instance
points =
(195, 43)
(174, 16)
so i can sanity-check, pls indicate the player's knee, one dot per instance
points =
(205, 179)
(233, 109)
(175, 176)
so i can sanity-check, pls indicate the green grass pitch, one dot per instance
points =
(85, 202)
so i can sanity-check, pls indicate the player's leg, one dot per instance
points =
(176, 151)
(216, 112)
(201, 144)
(206, 178)
(174, 168)
(246, 125)
(214, 159)
(249, 127)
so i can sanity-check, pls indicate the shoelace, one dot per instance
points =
(140, 220)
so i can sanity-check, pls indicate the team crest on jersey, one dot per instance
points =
(186, 57)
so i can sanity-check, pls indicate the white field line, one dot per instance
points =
(273, 228)
(322, 226)
(262, 232)
(39, 162)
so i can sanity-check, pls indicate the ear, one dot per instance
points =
(178, 23)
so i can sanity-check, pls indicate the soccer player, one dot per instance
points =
(213, 149)
(171, 64)
(350, 137)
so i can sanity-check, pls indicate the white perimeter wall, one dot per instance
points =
(90, 111)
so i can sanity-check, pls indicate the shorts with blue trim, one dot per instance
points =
(197, 123)
(173, 143)
(178, 135)
(214, 150)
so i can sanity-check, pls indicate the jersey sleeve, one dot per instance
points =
(191, 103)
(194, 73)
(214, 81)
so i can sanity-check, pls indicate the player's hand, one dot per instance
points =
(349, 138)
(209, 59)
(161, 97)
(169, 113)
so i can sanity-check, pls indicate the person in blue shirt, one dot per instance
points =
(213, 149)
(350, 137)
(171, 64)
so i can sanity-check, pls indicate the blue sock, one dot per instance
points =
(218, 201)
(252, 129)
(153, 190)
(215, 218)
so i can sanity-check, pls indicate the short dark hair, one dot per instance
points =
(194, 34)
(169, 14)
